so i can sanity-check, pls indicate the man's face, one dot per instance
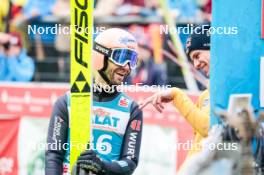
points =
(201, 60)
(117, 74)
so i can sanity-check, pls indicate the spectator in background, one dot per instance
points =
(9, 10)
(206, 7)
(147, 72)
(185, 10)
(14, 62)
(138, 7)
(125, 7)
(33, 9)
(105, 8)
(62, 9)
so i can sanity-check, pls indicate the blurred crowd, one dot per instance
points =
(46, 57)
(184, 10)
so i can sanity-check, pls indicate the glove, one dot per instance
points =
(90, 162)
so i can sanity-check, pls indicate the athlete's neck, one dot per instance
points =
(101, 87)
(99, 81)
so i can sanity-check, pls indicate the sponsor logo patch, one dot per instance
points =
(132, 145)
(122, 163)
(57, 127)
(100, 112)
(123, 102)
(136, 125)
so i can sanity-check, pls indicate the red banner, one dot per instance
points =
(8, 145)
(37, 100)
(28, 99)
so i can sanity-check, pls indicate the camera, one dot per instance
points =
(12, 41)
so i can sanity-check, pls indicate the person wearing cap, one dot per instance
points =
(117, 120)
(15, 64)
(197, 115)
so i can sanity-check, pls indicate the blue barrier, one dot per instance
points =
(235, 59)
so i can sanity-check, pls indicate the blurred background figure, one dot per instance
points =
(62, 43)
(106, 7)
(52, 51)
(206, 7)
(16, 65)
(185, 10)
(138, 7)
(148, 71)
(125, 7)
(9, 11)
(33, 9)
(61, 8)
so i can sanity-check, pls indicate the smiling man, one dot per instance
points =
(198, 48)
(117, 120)
(197, 115)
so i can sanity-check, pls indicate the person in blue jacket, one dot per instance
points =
(15, 64)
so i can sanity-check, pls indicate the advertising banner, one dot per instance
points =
(9, 126)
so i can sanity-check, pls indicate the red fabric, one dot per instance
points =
(15, 10)
(208, 7)
(8, 146)
(140, 3)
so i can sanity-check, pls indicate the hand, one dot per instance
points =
(157, 99)
(4, 38)
(13, 51)
(90, 162)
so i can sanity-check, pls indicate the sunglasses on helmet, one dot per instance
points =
(119, 56)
